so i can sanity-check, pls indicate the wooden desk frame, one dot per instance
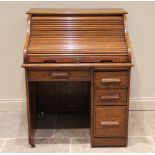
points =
(112, 78)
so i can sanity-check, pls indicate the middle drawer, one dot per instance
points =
(110, 96)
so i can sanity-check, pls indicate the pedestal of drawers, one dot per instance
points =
(110, 108)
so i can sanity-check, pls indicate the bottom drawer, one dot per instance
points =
(110, 121)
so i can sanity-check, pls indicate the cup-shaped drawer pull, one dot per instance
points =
(59, 75)
(49, 61)
(110, 97)
(109, 123)
(112, 80)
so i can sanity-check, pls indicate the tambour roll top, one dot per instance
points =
(86, 32)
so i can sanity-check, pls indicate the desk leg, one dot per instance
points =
(30, 110)
(91, 107)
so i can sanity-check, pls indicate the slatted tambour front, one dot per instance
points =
(76, 33)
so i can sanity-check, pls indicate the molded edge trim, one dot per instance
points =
(107, 11)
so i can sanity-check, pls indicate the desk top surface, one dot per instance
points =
(77, 11)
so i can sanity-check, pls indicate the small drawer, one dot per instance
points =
(48, 75)
(110, 121)
(110, 79)
(110, 96)
(76, 59)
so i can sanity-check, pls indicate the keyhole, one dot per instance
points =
(77, 60)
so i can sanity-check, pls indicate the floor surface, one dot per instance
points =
(59, 133)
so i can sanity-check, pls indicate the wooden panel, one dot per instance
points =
(110, 79)
(76, 59)
(110, 97)
(110, 121)
(64, 97)
(58, 75)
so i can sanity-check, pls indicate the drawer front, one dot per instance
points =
(75, 59)
(58, 75)
(110, 96)
(110, 121)
(110, 79)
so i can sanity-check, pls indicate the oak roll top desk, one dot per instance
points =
(79, 61)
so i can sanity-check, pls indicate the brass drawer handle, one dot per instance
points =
(110, 97)
(109, 123)
(59, 75)
(114, 80)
